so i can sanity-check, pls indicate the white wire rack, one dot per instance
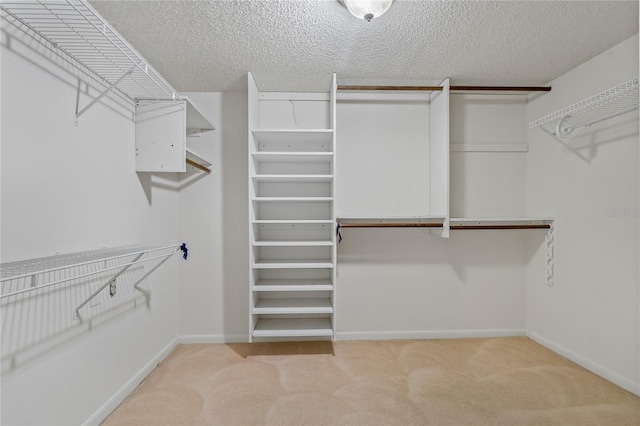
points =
(77, 30)
(611, 103)
(100, 267)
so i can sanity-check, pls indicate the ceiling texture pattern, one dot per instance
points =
(295, 45)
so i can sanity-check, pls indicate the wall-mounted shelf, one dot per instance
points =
(611, 103)
(395, 222)
(294, 327)
(162, 132)
(100, 267)
(75, 29)
(455, 223)
(501, 223)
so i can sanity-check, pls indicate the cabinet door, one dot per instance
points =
(160, 137)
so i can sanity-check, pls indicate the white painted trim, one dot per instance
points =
(427, 334)
(602, 371)
(191, 339)
(112, 403)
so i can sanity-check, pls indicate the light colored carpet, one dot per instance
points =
(501, 381)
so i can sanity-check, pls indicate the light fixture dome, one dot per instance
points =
(367, 9)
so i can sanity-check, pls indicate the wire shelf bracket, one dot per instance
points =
(611, 103)
(76, 30)
(36, 274)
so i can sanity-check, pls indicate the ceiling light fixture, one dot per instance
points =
(367, 9)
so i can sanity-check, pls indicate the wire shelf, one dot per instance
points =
(97, 266)
(76, 29)
(605, 105)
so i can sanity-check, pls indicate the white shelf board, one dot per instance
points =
(293, 135)
(293, 264)
(293, 306)
(292, 199)
(293, 157)
(293, 285)
(502, 221)
(392, 220)
(320, 243)
(196, 121)
(294, 327)
(293, 178)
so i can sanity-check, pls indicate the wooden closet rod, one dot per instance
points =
(456, 227)
(198, 166)
(453, 88)
(390, 225)
(439, 225)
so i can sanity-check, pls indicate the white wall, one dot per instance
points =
(591, 312)
(67, 189)
(382, 158)
(214, 285)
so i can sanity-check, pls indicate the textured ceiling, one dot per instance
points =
(295, 45)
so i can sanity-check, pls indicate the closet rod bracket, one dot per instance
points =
(108, 282)
(562, 142)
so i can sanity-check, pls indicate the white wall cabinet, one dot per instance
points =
(163, 129)
(291, 213)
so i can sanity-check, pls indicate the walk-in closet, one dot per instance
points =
(319, 212)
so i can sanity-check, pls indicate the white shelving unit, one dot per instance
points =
(291, 212)
(76, 32)
(162, 132)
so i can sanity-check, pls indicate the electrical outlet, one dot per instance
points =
(112, 288)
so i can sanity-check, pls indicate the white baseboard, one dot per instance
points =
(112, 403)
(427, 334)
(602, 371)
(191, 339)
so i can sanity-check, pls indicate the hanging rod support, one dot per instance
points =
(566, 145)
(101, 95)
(102, 287)
(197, 165)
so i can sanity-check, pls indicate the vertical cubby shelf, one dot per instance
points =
(291, 213)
